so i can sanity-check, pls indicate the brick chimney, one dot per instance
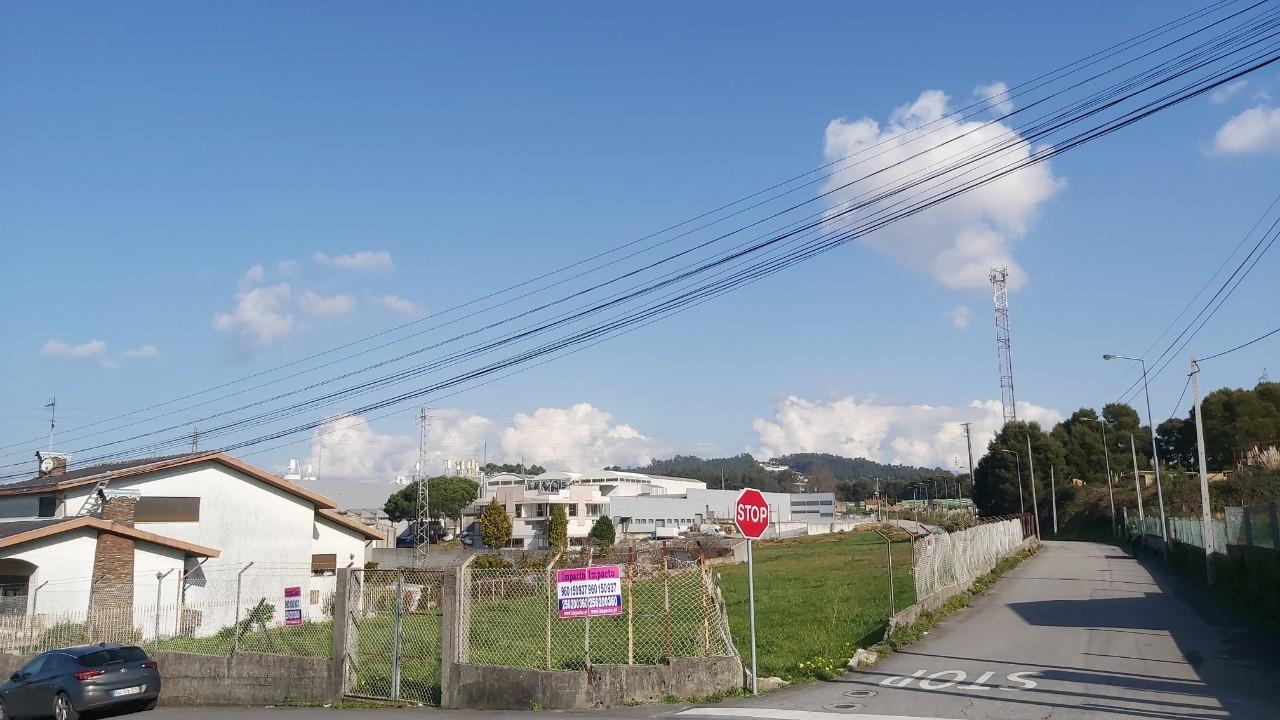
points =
(111, 595)
(119, 508)
(50, 464)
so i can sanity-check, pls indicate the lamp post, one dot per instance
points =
(1022, 507)
(1155, 456)
(1106, 456)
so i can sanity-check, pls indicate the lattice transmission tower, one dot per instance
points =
(999, 287)
(422, 522)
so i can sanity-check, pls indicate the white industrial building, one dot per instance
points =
(188, 533)
(640, 505)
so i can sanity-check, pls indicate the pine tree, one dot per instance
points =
(495, 525)
(603, 532)
(558, 528)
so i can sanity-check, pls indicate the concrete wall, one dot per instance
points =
(482, 687)
(246, 679)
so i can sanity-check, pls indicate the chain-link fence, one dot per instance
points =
(1250, 526)
(569, 616)
(942, 559)
(394, 626)
(219, 610)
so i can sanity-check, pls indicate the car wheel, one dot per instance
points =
(63, 709)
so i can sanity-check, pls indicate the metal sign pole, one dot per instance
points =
(751, 603)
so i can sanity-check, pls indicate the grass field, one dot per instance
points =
(817, 600)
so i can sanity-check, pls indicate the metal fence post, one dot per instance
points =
(586, 623)
(397, 640)
(666, 603)
(159, 586)
(1275, 528)
(704, 579)
(235, 636)
(631, 631)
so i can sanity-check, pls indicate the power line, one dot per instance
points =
(979, 105)
(1264, 336)
(678, 301)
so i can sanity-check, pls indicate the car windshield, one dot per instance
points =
(109, 655)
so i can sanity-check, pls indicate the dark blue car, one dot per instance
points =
(64, 683)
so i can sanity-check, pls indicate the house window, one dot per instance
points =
(324, 563)
(573, 509)
(167, 509)
(595, 510)
(519, 511)
(542, 510)
(48, 506)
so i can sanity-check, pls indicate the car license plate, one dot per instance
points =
(127, 691)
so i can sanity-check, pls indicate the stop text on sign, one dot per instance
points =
(753, 514)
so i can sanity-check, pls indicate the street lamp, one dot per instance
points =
(1106, 456)
(1021, 505)
(1155, 456)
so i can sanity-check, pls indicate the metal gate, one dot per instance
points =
(394, 635)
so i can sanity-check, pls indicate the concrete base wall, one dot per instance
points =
(246, 679)
(483, 687)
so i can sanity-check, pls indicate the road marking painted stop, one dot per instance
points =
(943, 679)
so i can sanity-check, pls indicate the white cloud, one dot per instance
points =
(367, 260)
(144, 351)
(996, 95)
(960, 317)
(956, 242)
(287, 268)
(1224, 93)
(1253, 131)
(95, 351)
(260, 318)
(252, 277)
(408, 308)
(313, 303)
(92, 350)
(923, 435)
(580, 437)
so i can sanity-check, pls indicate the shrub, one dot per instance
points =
(486, 562)
(603, 532)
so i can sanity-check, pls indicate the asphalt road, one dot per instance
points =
(1079, 632)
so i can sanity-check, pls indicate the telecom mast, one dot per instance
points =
(999, 282)
(422, 524)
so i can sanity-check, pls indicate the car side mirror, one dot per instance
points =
(15, 677)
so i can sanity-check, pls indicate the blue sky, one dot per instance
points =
(383, 161)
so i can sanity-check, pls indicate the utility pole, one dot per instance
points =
(1205, 516)
(195, 439)
(1137, 487)
(422, 524)
(1035, 506)
(1106, 457)
(968, 441)
(1053, 496)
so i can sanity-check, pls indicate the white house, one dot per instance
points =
(194, 539)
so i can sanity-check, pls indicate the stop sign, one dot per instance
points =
(751, 513)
